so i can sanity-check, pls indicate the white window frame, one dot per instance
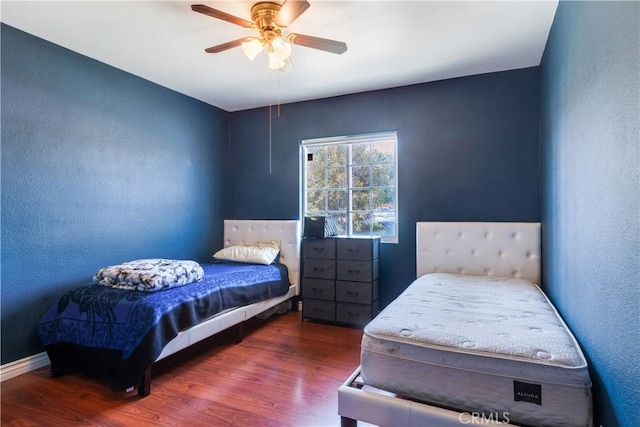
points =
(349, 141)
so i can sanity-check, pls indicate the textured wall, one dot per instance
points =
(590, 140)
(98, 167)
(467, 151)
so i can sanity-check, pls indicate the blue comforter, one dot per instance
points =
(127, 330)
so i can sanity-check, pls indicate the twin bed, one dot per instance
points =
(119, 333)
(473, 340)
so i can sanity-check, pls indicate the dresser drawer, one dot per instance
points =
(318, 289)
(357, 271)
(319, 309)
(354, 313)
(358, 249)
(319, 248)
(320, 268)
(356, 292)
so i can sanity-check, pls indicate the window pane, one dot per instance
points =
(361, 224)
(318, 156)
(383, 175)
(360, 176)
(383, 199)
(361, 154)
(337, 155)
(361, 200)
(383, 152)
(337, 201)
(316, 200)
(337, 177)
(315, 178)
(341, 222)
(384, 223)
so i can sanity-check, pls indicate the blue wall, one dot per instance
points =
(467, 151)
(590, 138)
(98, 167)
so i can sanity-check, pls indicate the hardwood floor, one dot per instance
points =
(284, 373)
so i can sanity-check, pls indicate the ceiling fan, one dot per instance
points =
(271, 20)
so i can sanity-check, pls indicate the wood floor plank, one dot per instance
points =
(284, 373)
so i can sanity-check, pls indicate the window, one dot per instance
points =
(353, 179)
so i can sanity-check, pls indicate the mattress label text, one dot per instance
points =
(525, 392)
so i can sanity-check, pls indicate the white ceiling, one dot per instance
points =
(390, 43)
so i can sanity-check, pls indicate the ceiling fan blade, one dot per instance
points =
(228, 45)
(290, 11)
(215, 13)
(327, 45)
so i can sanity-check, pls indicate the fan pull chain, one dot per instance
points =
(270, 99)
(270, 114)
(278, 91)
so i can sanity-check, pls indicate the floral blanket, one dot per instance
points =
(149, 275)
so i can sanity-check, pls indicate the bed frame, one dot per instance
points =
(237, 232)
(479, 248)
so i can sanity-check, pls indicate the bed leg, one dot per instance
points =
(56, 371)
(240, 333)
(144, 386)
(348, 422)
(294, 303)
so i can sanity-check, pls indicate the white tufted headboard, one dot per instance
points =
(480, 248)
(287, 232)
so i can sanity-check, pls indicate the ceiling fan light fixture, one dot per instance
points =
(252, 48)
(281, 48)
(275, 63)
(288, 65)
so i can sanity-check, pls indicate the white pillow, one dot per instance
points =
(260, 253)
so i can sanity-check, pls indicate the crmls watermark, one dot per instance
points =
(483, 417)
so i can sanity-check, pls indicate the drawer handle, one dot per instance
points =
(318, 269)
(353, 250)
(352, 314)
(353, 294)
(319, 290)
(319, 310)
(353, 271)
(318, 249)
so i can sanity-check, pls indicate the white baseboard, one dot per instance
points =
(28, 364)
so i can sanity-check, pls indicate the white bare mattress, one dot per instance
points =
(490, 345)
